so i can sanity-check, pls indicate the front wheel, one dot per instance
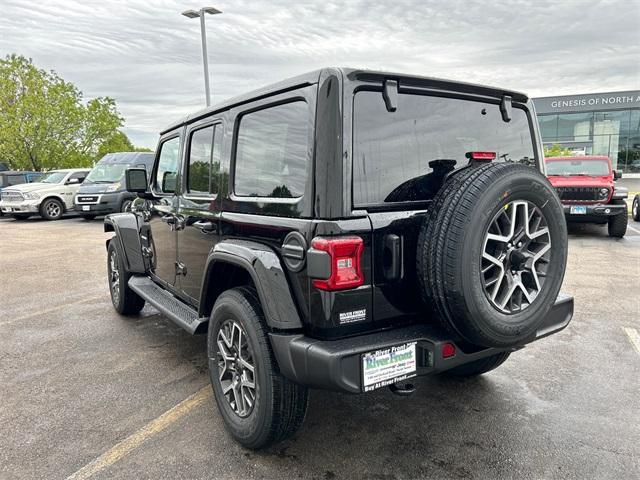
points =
(124, 300)
(259, 406)
(635, 208)
(479, 367)
(618, 223)
(52, 209)
(126, 206)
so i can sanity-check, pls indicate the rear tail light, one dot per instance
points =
(481, 156)
(345, 254)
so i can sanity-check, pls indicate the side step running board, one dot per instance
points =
(178, 312)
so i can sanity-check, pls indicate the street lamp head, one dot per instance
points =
(210, 10)
(191, 13)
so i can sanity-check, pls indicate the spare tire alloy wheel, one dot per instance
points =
(515, 256)
(492, 253)
(236, 368)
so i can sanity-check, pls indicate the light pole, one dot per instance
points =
(195, 14)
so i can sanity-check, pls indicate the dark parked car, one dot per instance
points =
(8, 178)
(103, 190)
(345, 230)
(635, 208)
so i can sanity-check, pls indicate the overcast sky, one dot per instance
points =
(148, 57)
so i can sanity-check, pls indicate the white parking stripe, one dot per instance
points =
(136, 439)
(634, 229)
(634, 337)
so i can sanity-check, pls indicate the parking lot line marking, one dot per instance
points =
(634, 229)
(136, 439)
(52, 309)
(634, 337)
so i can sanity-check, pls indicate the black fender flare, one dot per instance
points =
(127, 230)
(267, 273)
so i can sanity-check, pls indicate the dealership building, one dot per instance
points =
(594, 124)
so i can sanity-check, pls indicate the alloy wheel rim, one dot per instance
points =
(515, 257)
(53, 209)
(236, 370)
(114, 277)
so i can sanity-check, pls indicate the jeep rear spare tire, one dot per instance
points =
(492, 253)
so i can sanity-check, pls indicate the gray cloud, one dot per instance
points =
(147, 56)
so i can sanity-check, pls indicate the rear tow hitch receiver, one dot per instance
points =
(402, 389)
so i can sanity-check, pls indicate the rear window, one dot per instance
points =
(578, 167)
(402, 156)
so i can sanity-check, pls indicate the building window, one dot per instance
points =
(576, 125)
(548, 126)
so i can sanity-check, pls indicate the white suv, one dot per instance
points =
(51, 197)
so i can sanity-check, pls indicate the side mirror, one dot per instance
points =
(72, 181)
(169, 182)
(136, 180)
(617, 174)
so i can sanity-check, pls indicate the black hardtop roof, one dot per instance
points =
(126, 157)
(312, 77)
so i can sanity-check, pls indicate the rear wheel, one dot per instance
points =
(492, 253)
(259, 406)
(52, 209)
(479, 367)
(124, 300)
(618, 223)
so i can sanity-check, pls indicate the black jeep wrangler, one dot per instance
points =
(345, 230)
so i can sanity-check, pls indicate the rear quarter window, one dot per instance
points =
(402, 156)
(272, 152)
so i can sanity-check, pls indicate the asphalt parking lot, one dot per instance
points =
(86, 392)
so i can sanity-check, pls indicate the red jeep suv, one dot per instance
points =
(588, 193)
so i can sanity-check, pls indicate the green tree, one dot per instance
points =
(44, 122)
(557, 151)
(118, 142)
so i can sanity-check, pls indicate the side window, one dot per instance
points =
(15, 180)
(272, 152)
(199, 169)
(204, 160)
(168, 163)
(79, 175)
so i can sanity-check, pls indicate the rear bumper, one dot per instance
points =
(595, 211)
(336, 364)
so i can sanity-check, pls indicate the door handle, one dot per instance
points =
(205, 226)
